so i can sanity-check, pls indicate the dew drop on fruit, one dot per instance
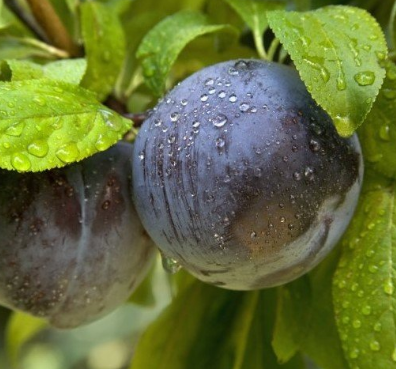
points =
(38, 148)
(220, 143)
(220, 120)
(232, 98)
(222, 94)
(157, 122)
(314, 146)
(204, 97)
(170, 265)
(20, 162)
(244, 107)
(174, 117)
(209, 82)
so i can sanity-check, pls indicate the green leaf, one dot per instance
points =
(69, 71)
(305, 318)
(20, 329)
(293, 311)
(104, 43)
(378, 133)
(364, 283)
(46, 124)
(18, 70)
(337, 51)
(161, 46)
(254, 13)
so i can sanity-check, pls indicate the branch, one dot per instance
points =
(26, 19)
(52, 25)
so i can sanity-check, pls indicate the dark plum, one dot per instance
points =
(242, 178)
(72, 246)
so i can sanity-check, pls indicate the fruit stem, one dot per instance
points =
(258, 40)
(272, 49)
(52, 25)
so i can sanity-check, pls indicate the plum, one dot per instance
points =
(72, 246)
(241, 177)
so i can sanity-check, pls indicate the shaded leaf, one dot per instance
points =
(20, 329)
(46, 124)
(254, 13)
(161, 46)
(364, 283)
(337, 51)
(378, 133)
(104, 43)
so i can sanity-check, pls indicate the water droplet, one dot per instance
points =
(232, 98)
(6, 145)
(220, 143)
(20, 162)
(68, 153)
(384, 132)
(380, 55)
(309, 173)
(222, 94)
(378, 327)
(184, 102)
(373, 269)
(111, 120)
(241, 64)
(141, 155)
(253, 235)
(211, 91)
(314, 146)
(258, 172)
(341, 84)
(243, 107)
(38, 148)
(317, 65)
(366, 310)
(174, 117)
(297, 176)
(158, 122)
(220, 120)
(354, 353)
(366, 78)
(389, 94)
(388, 287)
(39, 100)
(356, 324)
(15, 130)
(170, 265)
(171, 139)
(102, 143)
(232, 71)
(209, 82)
(375, 346)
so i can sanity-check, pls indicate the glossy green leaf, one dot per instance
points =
(104, 43)
(161, 46)
(364, 283)
(254, 13)
(293, 312)
(378, 133)
(46, 124)
(20, 329)
(305, 318)
(69, 70)
(337, 51)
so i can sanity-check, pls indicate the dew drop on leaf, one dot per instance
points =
(365, 78)
(341, 84)
(38, 148)
(354, 353)
(68, 153)
(20, 162)
(15, 130)
(375, 346)
(384, 132)
(103, 142)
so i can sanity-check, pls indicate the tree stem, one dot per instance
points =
(52, 25)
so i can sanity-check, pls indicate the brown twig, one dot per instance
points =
(26, 19)
(137, 118)
(52, 25)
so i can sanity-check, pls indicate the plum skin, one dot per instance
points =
(242, 178)
(72, 247)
